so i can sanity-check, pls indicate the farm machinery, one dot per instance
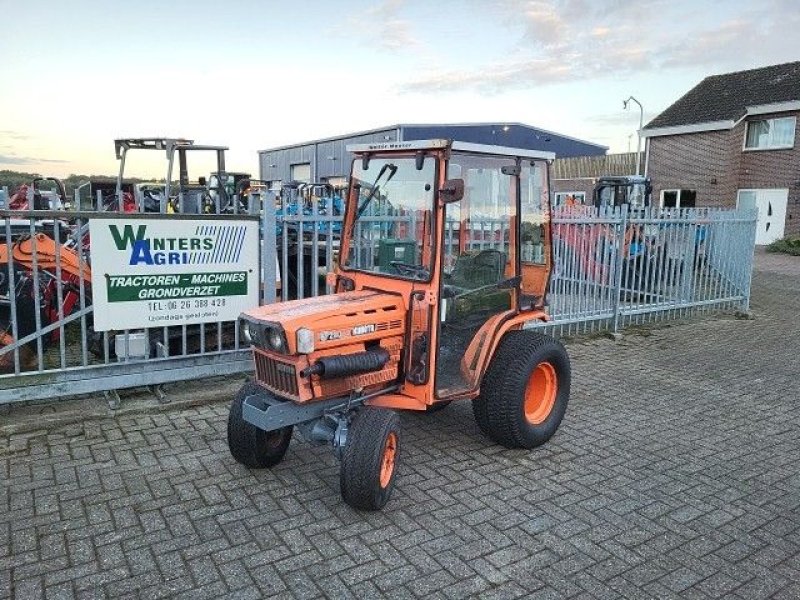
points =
(425, 312)
(44, 286)
(42, 279)
(216, 195)
(303, 229)
(42, 193)
(616, 190)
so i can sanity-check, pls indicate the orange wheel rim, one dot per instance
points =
(387, 462)
(540, 393)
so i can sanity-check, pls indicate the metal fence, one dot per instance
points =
(49, 347)
(612, 269)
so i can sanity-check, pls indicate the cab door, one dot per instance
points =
(479, 267)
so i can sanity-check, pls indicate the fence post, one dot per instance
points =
(751, 259)
(623, 225)
(269, 249)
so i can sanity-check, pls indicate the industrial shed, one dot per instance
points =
(327, 160)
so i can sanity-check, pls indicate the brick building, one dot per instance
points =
(732, 140)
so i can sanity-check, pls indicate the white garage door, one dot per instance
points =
(771, 206)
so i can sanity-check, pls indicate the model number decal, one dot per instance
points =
(363, 329)
(327, 336)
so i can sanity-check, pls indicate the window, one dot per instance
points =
(301, 172)
(391, 221)
(478, 255)
(678, 198)
(570, 198)
(770, 134)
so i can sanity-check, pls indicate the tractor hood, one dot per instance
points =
(335, 319)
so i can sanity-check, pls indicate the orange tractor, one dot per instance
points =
(435, 284)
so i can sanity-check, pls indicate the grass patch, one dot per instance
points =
(788, 245)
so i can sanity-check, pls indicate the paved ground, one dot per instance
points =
(675, 473)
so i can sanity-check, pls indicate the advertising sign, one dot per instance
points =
(158, 272)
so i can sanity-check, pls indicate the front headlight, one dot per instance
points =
(305, 341)
(275, 339)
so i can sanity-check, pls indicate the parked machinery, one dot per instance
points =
(313, 202)
(182, 195)
(42, 193)
(433, 293)
(44, 286)
(615, 190)
(41, 266)
(236, 184)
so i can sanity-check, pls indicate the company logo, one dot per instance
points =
(211, 244)
(363, 329)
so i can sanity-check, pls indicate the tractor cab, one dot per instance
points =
(184, 195)
(444, 260)
(633, 190)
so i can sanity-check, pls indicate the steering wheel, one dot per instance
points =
(416, 271)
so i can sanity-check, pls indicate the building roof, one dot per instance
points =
(502, 133)
(726, 98)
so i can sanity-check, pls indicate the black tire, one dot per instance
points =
(251, 446)
(500, 410)
(360, 477)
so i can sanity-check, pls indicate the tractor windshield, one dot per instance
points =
(391, 228)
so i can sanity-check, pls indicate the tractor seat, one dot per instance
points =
(476, 269)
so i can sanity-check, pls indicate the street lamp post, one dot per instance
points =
(638, 133)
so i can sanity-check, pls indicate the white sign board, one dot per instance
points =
(159, 272)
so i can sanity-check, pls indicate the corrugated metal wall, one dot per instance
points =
(327, 158)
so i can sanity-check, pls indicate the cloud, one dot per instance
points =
(13, 135)
(577, 40)
(383, 28)
(12, 159)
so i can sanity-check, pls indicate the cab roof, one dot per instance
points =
(453, 145)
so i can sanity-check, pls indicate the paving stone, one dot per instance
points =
(674, 475)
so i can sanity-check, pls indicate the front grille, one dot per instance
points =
(279, 376)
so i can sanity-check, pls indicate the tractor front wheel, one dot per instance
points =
(525, 391)
(251, 446)
(369, 460)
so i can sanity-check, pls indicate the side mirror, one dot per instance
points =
(452, 191)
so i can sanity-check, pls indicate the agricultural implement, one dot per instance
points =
(434, 288)
(43, 287)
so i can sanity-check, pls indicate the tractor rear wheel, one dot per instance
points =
(525, 391)
(251, 446)
(369, 460)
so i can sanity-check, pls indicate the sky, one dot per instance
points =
(255, 74)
